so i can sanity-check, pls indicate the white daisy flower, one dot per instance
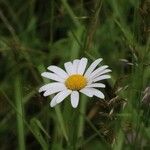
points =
(74, 80)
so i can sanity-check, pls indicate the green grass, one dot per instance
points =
(19, 107)
(35, 34)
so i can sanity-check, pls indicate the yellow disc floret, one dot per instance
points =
(76, 82)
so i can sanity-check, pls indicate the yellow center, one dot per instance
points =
(75, 82)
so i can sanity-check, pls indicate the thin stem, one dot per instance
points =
(81, 117)
(71, 13)
(19, 107)
(61, 121)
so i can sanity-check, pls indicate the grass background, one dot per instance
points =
(37, 33)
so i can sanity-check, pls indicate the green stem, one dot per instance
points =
(19, 107)
(61, 122)
(81, 117)
(71, 13)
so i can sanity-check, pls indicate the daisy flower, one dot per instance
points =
(74, 80)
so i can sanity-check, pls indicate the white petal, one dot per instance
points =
(87, 91)
(92, 67)
(62, 95)
(97, 71)
(101, 78)
(82, 65)
(51, 85)
(74, 99)
(101, 73)
(92, 92)
(60, 72)
(97, 85)
(75, 65)
(52, 76)
(105, 71)
(54, 90)
(69, 67)
(97, 93)
(53, 101)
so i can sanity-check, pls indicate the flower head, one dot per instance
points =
(74, 80)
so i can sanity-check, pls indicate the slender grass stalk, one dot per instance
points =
(51, 21)
(36, 128)
(19, 107)
(76, 46)
(70, 12)
(61, 121)
(81, 117)
(8, 25)
(93, 26)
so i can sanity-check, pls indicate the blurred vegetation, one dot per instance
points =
(37, 33)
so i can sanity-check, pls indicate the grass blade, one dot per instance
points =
(19, 107)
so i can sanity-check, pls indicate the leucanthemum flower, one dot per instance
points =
(74, 80)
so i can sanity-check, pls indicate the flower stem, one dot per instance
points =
(82, 114)
(19, 107)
